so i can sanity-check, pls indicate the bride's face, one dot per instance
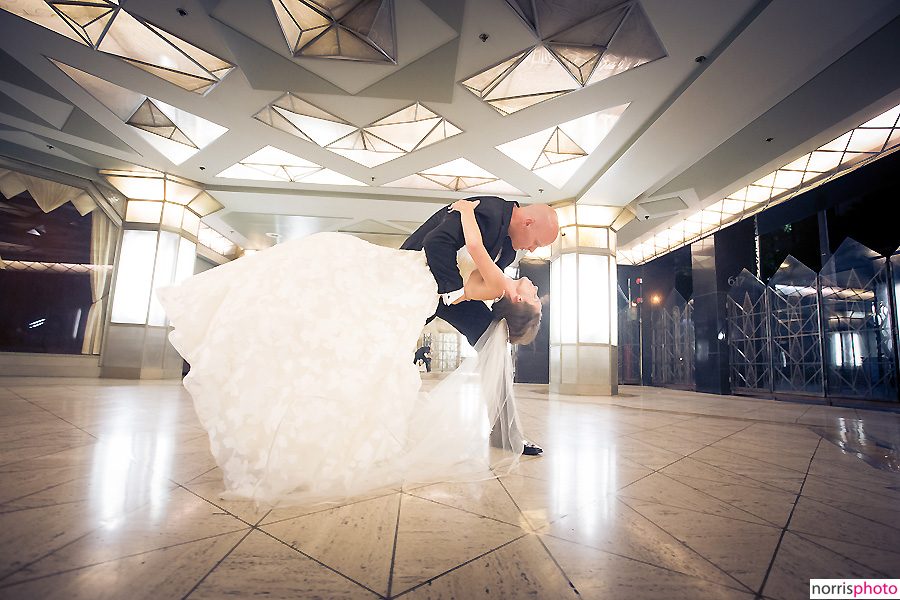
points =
(527, 292)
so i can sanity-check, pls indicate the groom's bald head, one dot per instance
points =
(533, 226)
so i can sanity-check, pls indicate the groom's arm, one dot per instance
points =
(442, 243)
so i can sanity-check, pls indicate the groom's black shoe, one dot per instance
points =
(532, 449)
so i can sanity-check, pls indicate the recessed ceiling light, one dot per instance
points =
(272, 234)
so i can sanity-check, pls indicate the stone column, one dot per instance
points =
(583, 312)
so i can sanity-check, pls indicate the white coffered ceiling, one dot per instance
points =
(799, 72)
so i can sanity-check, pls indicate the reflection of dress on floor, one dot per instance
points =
(301, 374)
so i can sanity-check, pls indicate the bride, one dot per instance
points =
(301, 370)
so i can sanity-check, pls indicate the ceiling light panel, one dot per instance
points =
(390, 137)
(360, 30)
(175, 133)
(106, 27)
(556, 153)
(272, 164)
(581, 43)
(457, 176)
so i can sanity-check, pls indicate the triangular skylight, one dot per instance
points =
(582, 43)
(557, 152)
(107, 27)
(457, 176)
(360, 30)
(388, 138)
(175, 133)
(272, 164)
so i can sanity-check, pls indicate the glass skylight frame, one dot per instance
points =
(273, 164)
(568, 56)
(370, 145)
(118, 33)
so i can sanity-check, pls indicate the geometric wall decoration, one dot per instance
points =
(875, 136)
(175, 133)
(272, 164)
(105, 26)
(581, 44)
(360, 30)
(388, 138)
(557, 152)
(457, 176)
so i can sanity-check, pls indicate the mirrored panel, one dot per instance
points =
(55, 273)
(859, 354)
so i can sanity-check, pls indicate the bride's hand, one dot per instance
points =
(464, 205)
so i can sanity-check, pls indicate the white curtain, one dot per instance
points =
(102, 246)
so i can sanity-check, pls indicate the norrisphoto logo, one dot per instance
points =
(854, 588)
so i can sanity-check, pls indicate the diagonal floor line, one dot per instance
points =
(471, 512)
(216, 566)
(806, 537)
(742, 587)
(118, 558)
(759, 593)
(315, 560)
(426, 582)
(394, 547)
(47, 410)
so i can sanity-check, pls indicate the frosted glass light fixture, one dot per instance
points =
(175, 133)
(361, 30)
(388, 138)
(581, 43)
(583, 320)
(160, 198)
(272, 164)
(872, 138)
(556, 153)
(107, 27)
(457, 176)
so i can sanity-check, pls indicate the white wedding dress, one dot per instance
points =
(302, 373)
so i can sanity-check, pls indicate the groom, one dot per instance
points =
(505, 228)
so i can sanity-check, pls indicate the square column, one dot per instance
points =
(583, 315)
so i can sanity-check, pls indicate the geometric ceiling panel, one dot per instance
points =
(556, 153)
(457, 176)
(581, 43)
(359, 30)
(272, 164)
(300, 118)
(388, 138)
(175, 133)
(106, 27)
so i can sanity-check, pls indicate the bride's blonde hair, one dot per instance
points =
(522, 319)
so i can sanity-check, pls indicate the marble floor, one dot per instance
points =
(108, 490)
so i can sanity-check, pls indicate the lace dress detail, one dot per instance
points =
(302, 372)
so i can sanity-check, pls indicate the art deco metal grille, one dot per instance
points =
(673, 343)
(748, 335)
(794, 325)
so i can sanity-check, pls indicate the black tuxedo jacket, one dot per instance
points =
(441, 236)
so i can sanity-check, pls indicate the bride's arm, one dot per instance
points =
(493, 281)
